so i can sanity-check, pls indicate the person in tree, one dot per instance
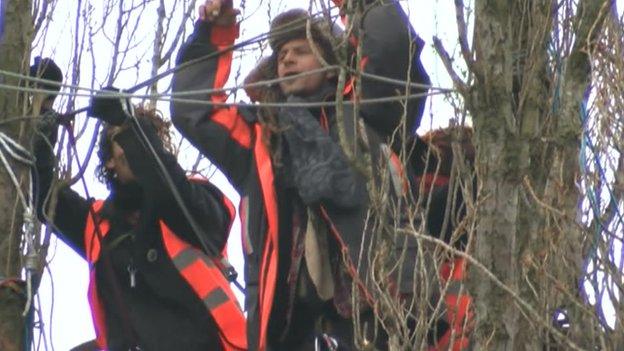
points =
(303, 202)
(154, 245)
(45, 68)
(435, 176)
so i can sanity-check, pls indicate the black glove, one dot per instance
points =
(108, 109)
(320, 169)
(46, 127)
(44, 139)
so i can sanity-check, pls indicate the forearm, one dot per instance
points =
(393, 49)
(206, 206)
(56, 204)
(62, 208)
(190, 208)
(219, 133)
(391, 52)
(204, 64)
(156, 170)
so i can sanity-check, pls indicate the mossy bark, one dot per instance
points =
(527, 154)
(14, 57)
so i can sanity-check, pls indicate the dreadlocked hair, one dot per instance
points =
(143, 114)
(268, 118)
(287, 26)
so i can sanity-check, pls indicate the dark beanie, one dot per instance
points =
(46, 68)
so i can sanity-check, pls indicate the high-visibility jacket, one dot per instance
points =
(434, 175)
(457, 304)
(198, 270)
(234, 139)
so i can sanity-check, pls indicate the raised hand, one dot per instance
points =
(218, 12)
(107, 108)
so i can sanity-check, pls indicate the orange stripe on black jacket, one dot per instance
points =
(232, 139)
(197, 269)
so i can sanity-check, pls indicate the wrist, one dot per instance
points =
(224, 35)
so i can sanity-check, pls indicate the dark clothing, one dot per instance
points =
(391, 49)
(311, 177)
(161, 312)
(432, 179)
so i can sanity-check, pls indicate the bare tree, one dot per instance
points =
(14, 57)
(541, 84)
(538, 82)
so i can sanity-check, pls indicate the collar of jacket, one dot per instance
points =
(325, 93)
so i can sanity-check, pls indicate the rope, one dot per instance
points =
(226, 268)
(173, 97)
(146, 83)
(20, 154)
(598, 279)
(589, 164)
(107, 262)
(12, 148)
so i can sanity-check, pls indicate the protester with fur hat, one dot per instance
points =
(303, 203)
(156, 281)
(387, 53)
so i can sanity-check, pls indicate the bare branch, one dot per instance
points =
(448, 64)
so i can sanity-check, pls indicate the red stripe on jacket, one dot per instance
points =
(268, 267)
(203, 276)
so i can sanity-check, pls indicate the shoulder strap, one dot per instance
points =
(95, 232)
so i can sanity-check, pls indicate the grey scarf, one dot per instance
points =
(320, 169)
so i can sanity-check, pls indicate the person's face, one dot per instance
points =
(117, 164)
(297, 57)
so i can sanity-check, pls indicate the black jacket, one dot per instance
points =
(162, 311)
(270, 200)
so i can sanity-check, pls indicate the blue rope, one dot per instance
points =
(595, 195)
(2, 10)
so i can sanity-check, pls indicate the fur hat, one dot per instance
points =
(292, 24)
(264, 70)
(287, 26)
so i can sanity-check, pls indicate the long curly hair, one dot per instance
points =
(105, 143)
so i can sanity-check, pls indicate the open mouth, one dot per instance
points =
(290, 74)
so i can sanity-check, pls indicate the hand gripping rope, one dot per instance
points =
(226, 268)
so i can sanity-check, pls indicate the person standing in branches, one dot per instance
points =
(436, 167)
(154, 285)
(303, 203)
(45, 68)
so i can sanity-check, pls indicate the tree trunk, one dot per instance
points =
(14, 57)
(527, 152)
(499, 170)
